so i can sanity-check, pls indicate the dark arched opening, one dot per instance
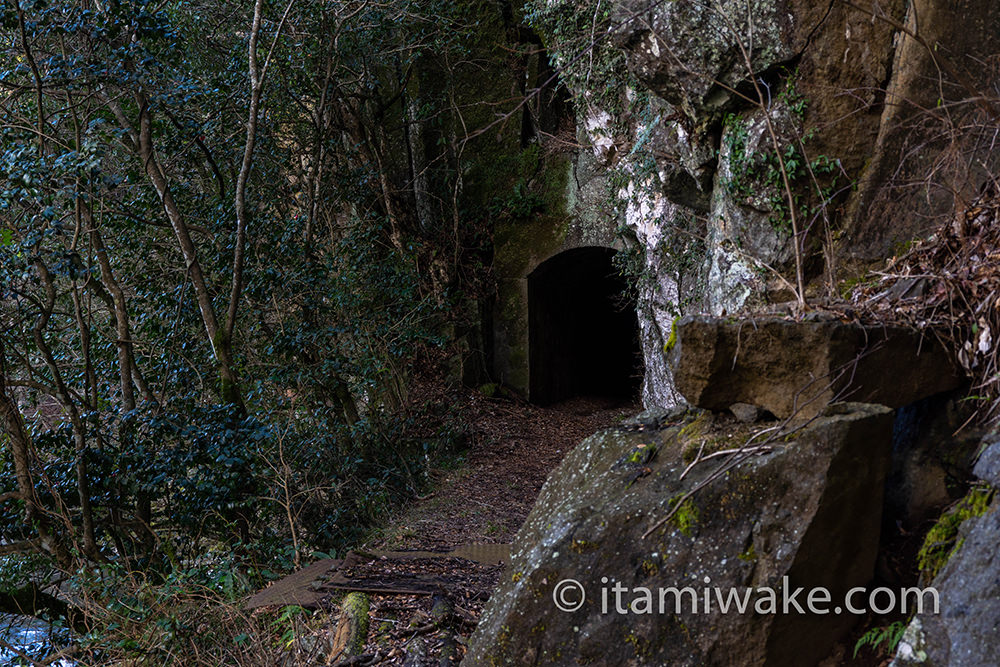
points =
(583, 333)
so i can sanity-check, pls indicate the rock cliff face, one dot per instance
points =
(750, 151)
(704, 116)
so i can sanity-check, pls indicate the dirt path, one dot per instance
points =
(515, 446)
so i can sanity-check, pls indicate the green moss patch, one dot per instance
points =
(942, 539)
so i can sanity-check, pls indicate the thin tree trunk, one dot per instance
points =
(417, 152)
(20, 448)
(256, 86)
(221, 344)
(68, 402)
(257, 73)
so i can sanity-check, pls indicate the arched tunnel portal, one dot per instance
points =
(583, 333)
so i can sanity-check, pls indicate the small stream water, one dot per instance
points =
(30, 636)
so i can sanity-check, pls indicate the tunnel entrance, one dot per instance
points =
(583, 334)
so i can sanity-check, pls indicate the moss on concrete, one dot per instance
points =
(520, 244)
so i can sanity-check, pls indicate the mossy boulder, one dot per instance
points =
(807, 508)
(962, 632)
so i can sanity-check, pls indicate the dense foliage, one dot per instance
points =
(226, 231)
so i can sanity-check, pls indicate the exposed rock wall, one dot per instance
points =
(687, 106)
(742, 77)
(934, 147)
(694, 118)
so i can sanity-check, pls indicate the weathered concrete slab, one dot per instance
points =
(798, 368)
(301, 588)
(312, 584)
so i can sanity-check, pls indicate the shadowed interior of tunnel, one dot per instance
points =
(583, 332)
